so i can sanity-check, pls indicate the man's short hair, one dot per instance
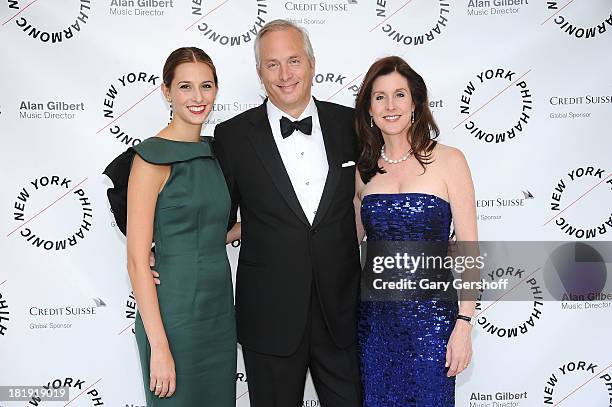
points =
(282, 25)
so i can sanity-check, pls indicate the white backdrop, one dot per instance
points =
(80, 84)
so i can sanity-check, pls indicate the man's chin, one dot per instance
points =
(286, 100)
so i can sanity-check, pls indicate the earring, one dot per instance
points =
(371, 121)
(412, 118)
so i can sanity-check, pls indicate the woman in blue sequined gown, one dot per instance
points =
(409, 188)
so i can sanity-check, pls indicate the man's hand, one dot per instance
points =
(234, 233)
(155, 273)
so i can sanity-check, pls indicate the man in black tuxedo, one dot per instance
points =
(290, 167)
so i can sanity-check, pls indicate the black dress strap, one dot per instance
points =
(154, 150)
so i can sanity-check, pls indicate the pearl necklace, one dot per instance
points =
(388, 160)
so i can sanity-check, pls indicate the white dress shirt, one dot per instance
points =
(304, 157)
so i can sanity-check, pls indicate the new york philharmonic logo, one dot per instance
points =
(142, 8)
(335, 84)
(50, 110)
(241, 385)
(130, 311)
(558, 386)
(495, 7)
(122, 95)
(68, 221)
(514, 97)
(515, 323)
(245, 25)
(35, 21)
(4, 311)
(576, 181)
(242, 388)
(582, 23)
(425, 22)
(329, 77)
(79, 389)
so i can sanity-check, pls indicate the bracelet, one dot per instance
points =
(470, 320)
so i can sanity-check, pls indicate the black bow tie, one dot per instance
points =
(288, 127)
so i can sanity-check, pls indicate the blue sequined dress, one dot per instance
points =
(402, 344)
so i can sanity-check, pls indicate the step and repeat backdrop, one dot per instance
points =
(523, 88)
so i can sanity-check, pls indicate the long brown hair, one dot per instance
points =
(186, 54)
(422, 132)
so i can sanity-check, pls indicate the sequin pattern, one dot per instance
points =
(402, 344)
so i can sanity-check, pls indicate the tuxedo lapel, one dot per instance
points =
(332, 137)
(265, 147)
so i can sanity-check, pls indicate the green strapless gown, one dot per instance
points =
(195, 294)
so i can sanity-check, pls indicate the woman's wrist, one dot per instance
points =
(461, 322)
(160, 344)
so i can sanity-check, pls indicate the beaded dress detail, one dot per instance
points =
(402, 344)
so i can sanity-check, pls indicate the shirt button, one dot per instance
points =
(307, 182)
(302, 153)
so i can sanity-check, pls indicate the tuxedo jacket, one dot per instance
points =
(282, 256)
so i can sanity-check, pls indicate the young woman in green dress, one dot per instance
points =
(177, 197)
